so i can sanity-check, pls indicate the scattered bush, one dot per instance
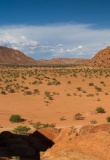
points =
(15, 118)
(28, 92)
(22, 130)
(93, 121)
(12, 91)
(100, 110)
(79, 88)
(26, 87)
(43, 125)
(62, 118)
(78, 116)
(108, 119)
(3, 92)
(98, 89)
(36, 91)
(91, 84)
(68, 94)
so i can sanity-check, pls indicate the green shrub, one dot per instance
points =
(37, 125)
(22, 130)
(108, 119)
(98, 89)
(79, 88)
(93, 121)
(36, 91)
(26, 87)
(12, 91)
(28, 92)
(91, 84)
(15, 118)
(78, 116)
(62, 118)
(100, 110)
(43, 125)
(69, 82)
(68, 94)
(3, 92)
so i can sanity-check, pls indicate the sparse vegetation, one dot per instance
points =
(22, 130)
(3, 92)
(93, 121)
(43, 125)
(91, 84)
(108, 119)
(52, 84)
(99, 89)
(78, 116)
(28, 92)
(100, 110)
(15, 118)
(62, 118)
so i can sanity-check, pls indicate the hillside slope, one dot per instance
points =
(101, 59)
(11, 56)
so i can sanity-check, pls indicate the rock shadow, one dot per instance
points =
(23, 147)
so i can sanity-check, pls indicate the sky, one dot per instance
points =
(46, 29)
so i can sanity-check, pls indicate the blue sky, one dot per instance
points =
(45, 29)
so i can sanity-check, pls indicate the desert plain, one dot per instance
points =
(67, 98)
(54, 95)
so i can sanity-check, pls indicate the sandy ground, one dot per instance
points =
(67, 99)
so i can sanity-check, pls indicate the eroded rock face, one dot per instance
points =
(94, 129)
(90, 143)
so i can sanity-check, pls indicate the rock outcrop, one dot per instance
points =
(91, 143)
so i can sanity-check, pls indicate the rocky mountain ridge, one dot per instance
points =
(15, 57)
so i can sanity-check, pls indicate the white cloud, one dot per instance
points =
(60, 45)
(80, 46)
(23, 37)
(57, 40)
(61, 50)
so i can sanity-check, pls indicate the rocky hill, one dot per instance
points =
(101, 59)
(15, 57)
(11, 56)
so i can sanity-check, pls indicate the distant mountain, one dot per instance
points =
(11, 56)
(15, 57)
(63, 61)
(101, 59)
